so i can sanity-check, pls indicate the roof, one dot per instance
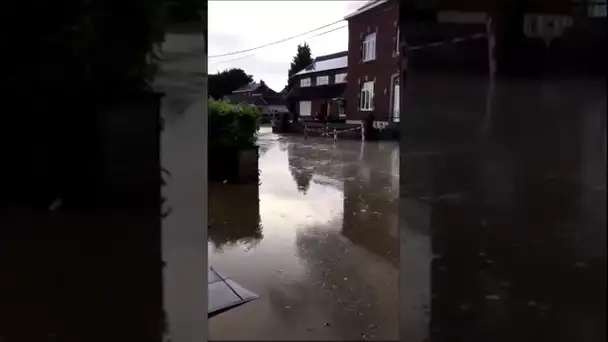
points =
(260, 100)
(366, 7)
(327, 62)
(250, 87)
(329, 91)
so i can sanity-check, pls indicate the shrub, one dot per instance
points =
(232, 126)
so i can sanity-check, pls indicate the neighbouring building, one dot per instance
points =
(349, 86)
(373, 63)
(318, 89)
(260, 95)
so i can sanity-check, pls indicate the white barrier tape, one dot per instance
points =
(453, 40)
(348, 130)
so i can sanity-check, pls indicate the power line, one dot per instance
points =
(326, 32)
(253, 54)
(277, 42)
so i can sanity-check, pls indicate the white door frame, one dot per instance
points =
(392, 97)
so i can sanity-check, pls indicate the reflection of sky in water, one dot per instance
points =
(325, 241)
(281, 202)
(283, 211)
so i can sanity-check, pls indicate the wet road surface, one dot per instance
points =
(320, 246)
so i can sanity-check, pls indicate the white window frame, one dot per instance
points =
(366, 100)
(340, 78)
(397, 42)
(305, 82)
(322, 80)
(369, 47)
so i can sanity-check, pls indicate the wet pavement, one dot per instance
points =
(317, 240)
(512, 201)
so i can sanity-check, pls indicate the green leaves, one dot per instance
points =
(232, 125)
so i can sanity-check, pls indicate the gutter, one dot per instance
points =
(364, 9)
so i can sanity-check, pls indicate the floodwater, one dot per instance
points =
(317, 240)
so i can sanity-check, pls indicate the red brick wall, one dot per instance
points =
(384, 21)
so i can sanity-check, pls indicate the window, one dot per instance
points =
(367, 96)
(305, 82)
(305, 108)
(322, 80)
(369, 47)
(597, 9)
(341, 78)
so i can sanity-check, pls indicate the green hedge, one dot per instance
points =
(232, 126)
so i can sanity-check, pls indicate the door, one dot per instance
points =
(323, 113)
(305, 108)
(396, 98)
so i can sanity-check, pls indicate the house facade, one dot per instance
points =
(318, 90)
(373, 63)
(260, 95)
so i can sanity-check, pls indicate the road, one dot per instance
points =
(320, 246)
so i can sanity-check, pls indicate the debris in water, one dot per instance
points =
(493, 297)
(327, 324)
(532, 303)
(345, 278)
(372, 326)
(287, 307)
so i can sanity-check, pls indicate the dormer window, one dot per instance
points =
(340, 78)
(322, 80)
(305, 82)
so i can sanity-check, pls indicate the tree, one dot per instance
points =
(225, 82)
(301, 60)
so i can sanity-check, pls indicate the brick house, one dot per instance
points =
(318, 89)
(260, 95)
(373, 63)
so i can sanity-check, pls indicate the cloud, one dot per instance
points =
(240, 25)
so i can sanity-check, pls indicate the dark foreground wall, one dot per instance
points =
(511, 191)
(90, 270)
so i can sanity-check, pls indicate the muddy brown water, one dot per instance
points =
(317, 240)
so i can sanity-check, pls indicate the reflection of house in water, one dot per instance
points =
(301, 173)
(370, 189)
(234, 214)
(305, 163)
(371, 204)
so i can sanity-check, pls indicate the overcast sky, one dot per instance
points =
(240, 25)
